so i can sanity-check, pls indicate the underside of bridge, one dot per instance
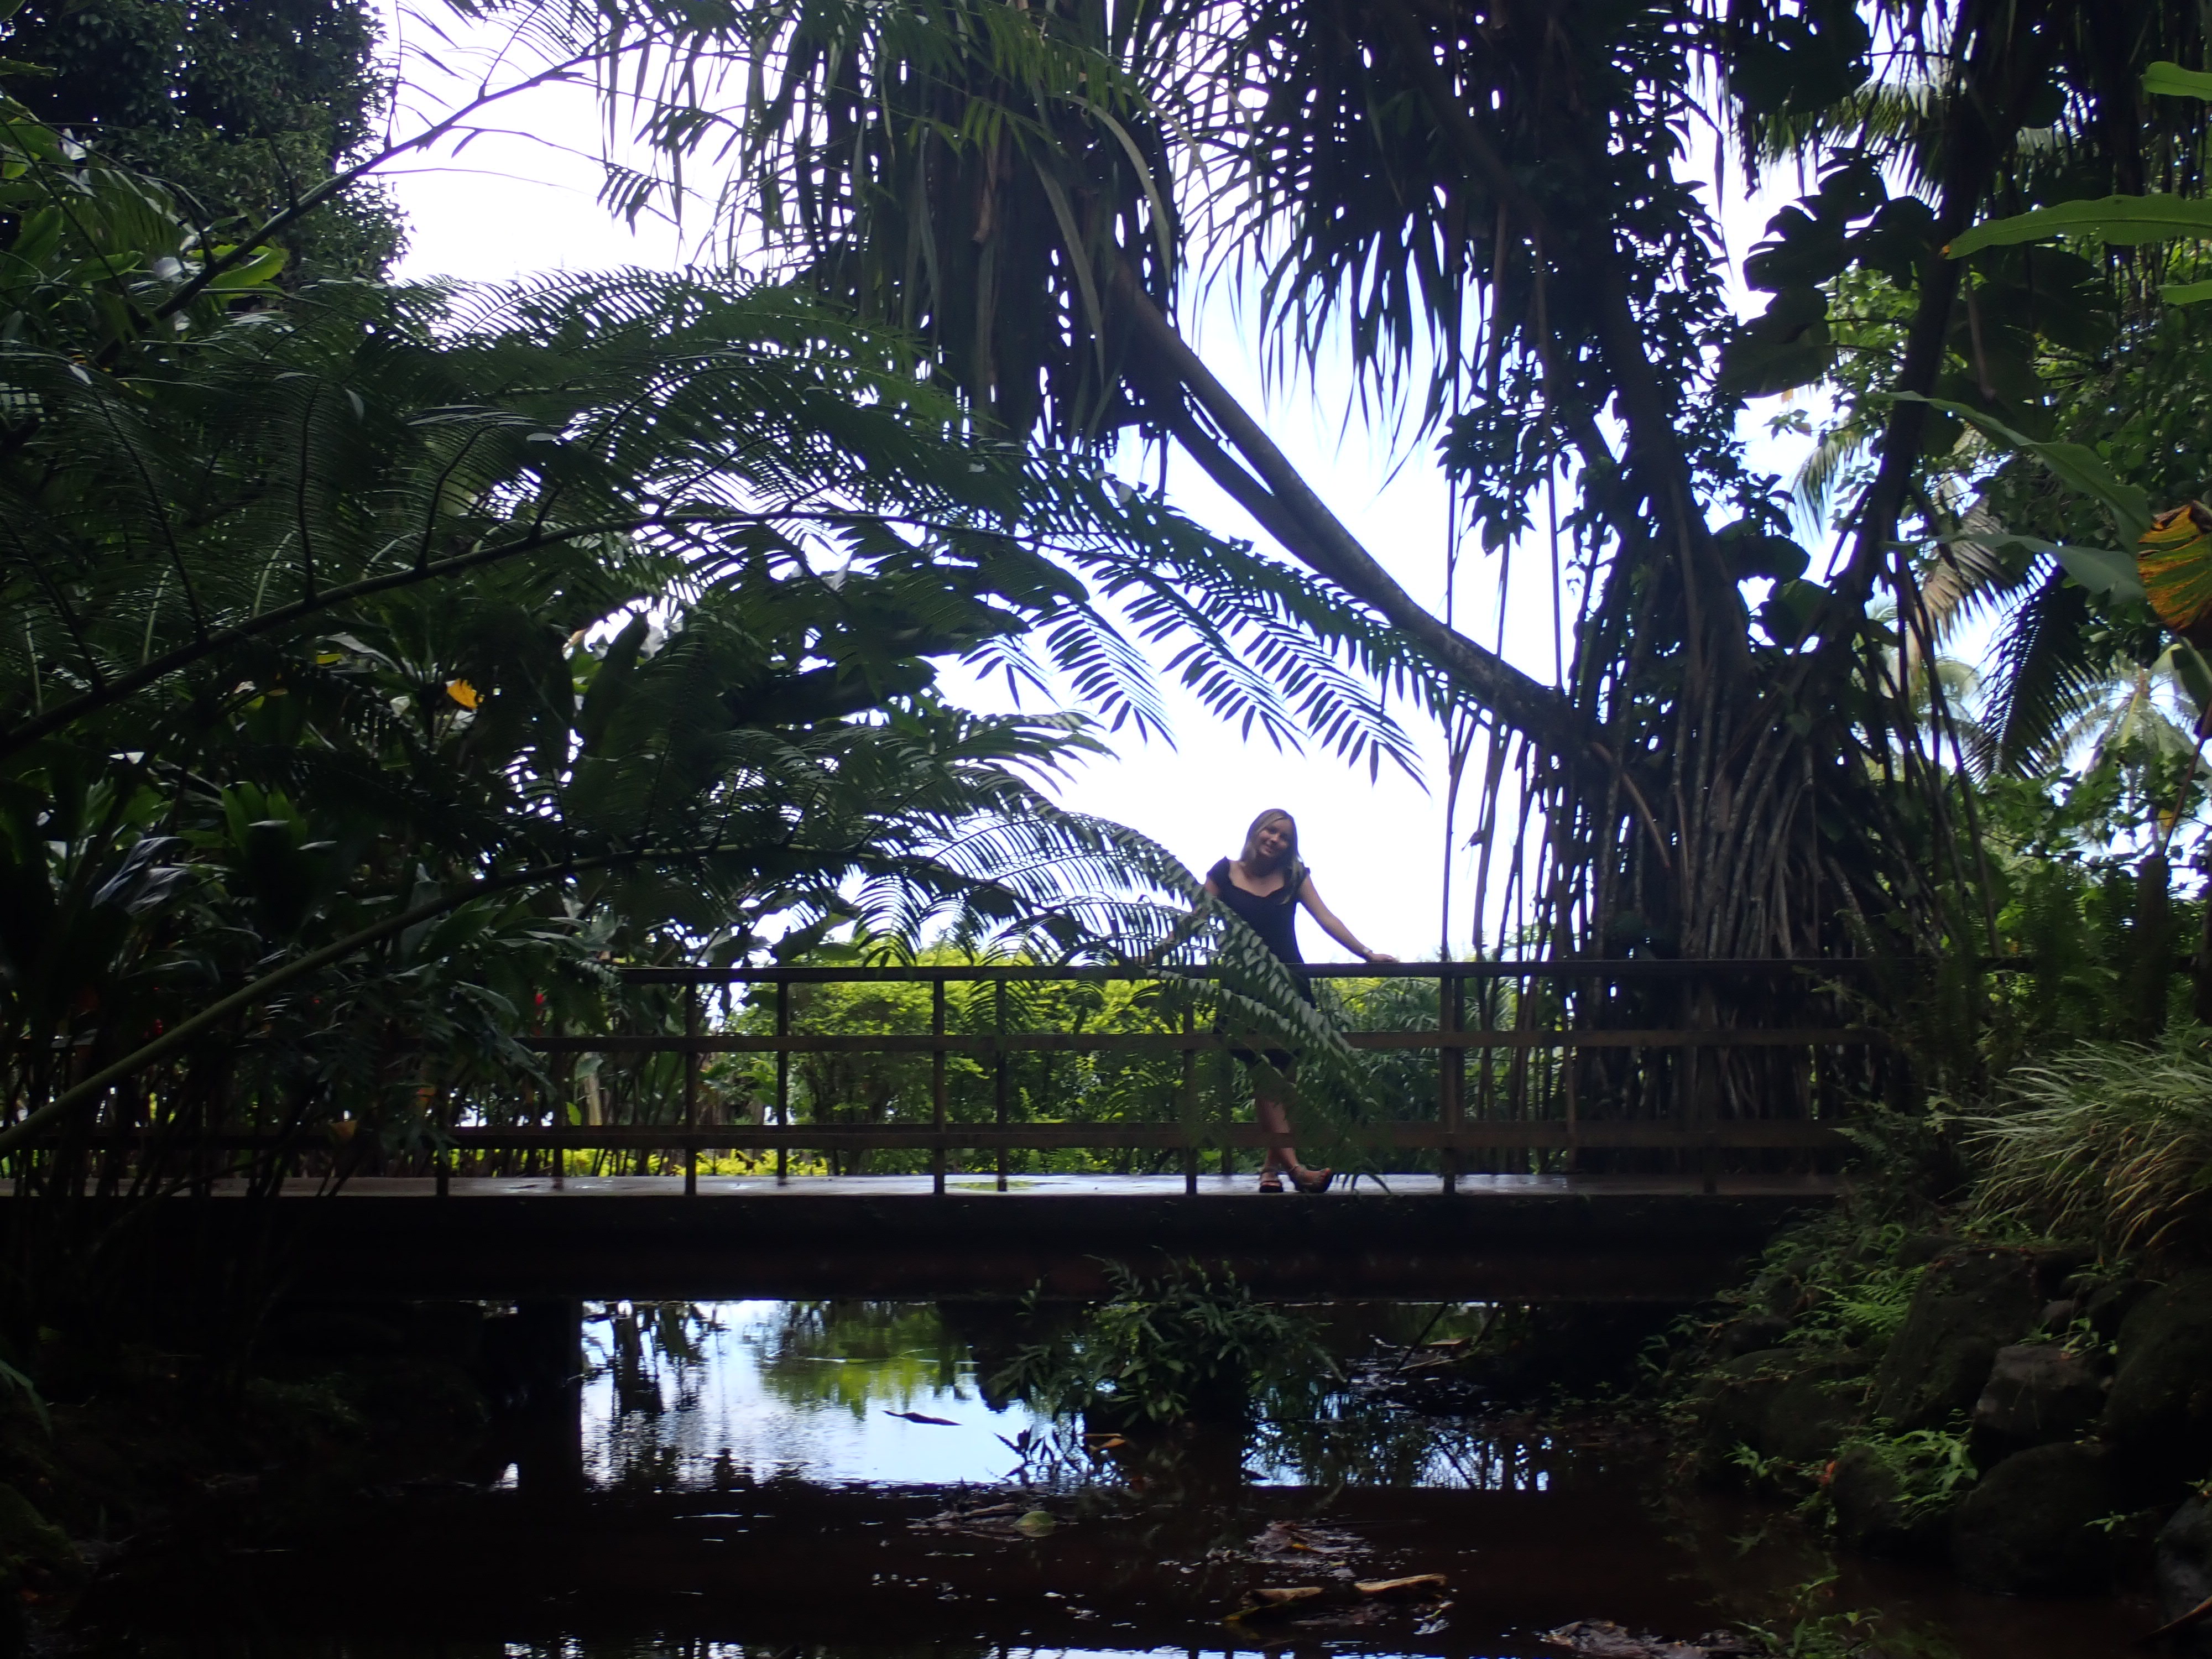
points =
(1498, 1238)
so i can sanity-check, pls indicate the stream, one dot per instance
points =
(804, 1480)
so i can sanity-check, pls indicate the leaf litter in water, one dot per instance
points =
(1000, 1520)
(1601, 1638)
(1419, 1582)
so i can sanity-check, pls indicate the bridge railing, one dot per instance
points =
(1556, 1080)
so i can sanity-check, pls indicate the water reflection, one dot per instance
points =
(685, 1396)
(751, 1494)
(708, 1649)
(688, 1396)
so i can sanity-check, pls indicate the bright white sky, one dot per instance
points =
(524, 201)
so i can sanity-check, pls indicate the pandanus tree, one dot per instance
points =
(1486, 207)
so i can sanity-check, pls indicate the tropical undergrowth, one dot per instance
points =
(1184, 1344)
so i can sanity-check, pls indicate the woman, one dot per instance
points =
(1264, 886)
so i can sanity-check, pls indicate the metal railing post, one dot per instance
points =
(1188, 1113)
(1000, 988)
(557, 1121)
(691, 1058)
(937, 1085)
(1451, 1072)
(1570, 1057)
(1225, 1073)
(783, 1078)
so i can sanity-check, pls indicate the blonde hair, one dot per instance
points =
(1293, 866)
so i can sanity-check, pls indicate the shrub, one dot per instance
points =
(1188, 1344)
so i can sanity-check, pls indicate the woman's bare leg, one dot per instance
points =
(1276, 1120)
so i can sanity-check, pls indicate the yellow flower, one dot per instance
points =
(463, 693)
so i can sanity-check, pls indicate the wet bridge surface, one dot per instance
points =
(1497, 1238)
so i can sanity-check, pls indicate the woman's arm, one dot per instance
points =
(1334, 928)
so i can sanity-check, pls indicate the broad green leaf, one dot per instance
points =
(2175, 81)
(2075, 466)
(2105, 571)
(2194, 673)
(2185, 294)
(2123, 219)
(256, 272)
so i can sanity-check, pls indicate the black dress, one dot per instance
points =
(1275, 917)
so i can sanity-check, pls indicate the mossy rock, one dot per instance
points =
(2183, 1570)
(1730, 1404)
(1966, 1308)
(1876, 1513)
(1780, 1402)
(2028, 1526)
(1809, 1417)
(2157, 1417)
(2038, 1393)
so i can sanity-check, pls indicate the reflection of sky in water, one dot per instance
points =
(693, 1395)
(790, 1388)
(573, 1648)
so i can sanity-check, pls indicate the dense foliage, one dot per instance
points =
(385, 662)
(241, 107)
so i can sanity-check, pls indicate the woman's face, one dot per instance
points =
(1272, 840)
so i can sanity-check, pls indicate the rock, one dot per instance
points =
(1778, 1403)
(2159, 1414)
(1966, 1309)
(2182, 1570)
(1808, 1416)
(2107, 1303)
(1753, 1333)
(1875, 1513)
(2037, 1393)
(1730, 1406)
(1921, 1248)
(2025, 1527)
(2059, 1266)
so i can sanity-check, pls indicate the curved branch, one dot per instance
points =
(1287, 507)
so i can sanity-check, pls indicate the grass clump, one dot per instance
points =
(2109, 1141)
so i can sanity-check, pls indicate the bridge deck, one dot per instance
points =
(1504, 1237)
(1039, 1187)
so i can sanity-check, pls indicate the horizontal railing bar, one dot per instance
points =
(1494, 968)
(923, 1043)
(1754, 1134)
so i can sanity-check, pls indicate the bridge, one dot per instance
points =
(1549, 1139)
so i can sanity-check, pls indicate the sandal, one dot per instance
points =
(1271, 1183)
(1315, 1181)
